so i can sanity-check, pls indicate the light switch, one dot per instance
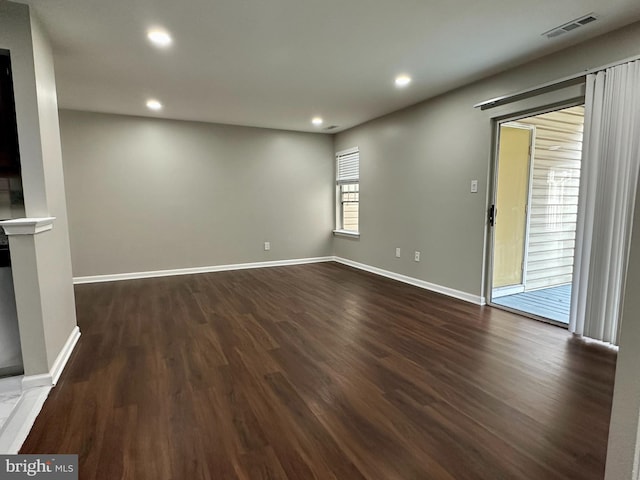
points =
(474, 186)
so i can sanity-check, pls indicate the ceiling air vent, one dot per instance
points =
(331, 127)
(572, 25)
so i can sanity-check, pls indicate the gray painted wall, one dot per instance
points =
(191, 194)
(417, 165)
(147, 194)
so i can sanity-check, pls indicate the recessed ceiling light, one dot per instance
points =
(403, 80)
(154, 105)
(160, 38)
(317, 121)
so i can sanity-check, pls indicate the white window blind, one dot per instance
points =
(348, 166)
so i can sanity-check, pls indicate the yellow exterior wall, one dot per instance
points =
(511, 202)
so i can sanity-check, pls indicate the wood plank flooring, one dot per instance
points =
(321, 372)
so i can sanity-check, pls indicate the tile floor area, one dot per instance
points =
(18, 411)
(8, 401)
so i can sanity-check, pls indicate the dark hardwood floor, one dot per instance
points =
(321, 371)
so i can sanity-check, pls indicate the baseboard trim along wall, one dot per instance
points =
(194, 270)
(64, 355)
(450, 292)
(51, 378)
(467, 297)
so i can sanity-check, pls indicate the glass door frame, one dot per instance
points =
(496, 122)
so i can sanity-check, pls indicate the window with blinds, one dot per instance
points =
(348, 189)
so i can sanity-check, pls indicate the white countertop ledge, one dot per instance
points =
(27, 226)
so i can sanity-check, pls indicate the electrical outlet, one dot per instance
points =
(397, 252)
(474, 186)
(416, 256)
(267, 246)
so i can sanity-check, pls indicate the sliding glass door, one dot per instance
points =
(534, 214)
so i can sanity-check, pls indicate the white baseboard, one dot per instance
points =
(467, 297)
(15, 430)
(65, 353)
(194, 270)
(51, 378)
(281, 263)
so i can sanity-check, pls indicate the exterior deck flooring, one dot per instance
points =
(553, 303)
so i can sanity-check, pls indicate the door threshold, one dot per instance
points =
(530, 315)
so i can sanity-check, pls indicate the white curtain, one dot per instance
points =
(609, 174)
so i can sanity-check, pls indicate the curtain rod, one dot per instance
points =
(545, 87)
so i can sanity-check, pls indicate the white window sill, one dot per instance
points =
(346, 233)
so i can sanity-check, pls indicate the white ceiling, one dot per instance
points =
(277, 63)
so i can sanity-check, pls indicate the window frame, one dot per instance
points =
(350, 176)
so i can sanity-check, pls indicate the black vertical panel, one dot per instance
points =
(9, 152)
